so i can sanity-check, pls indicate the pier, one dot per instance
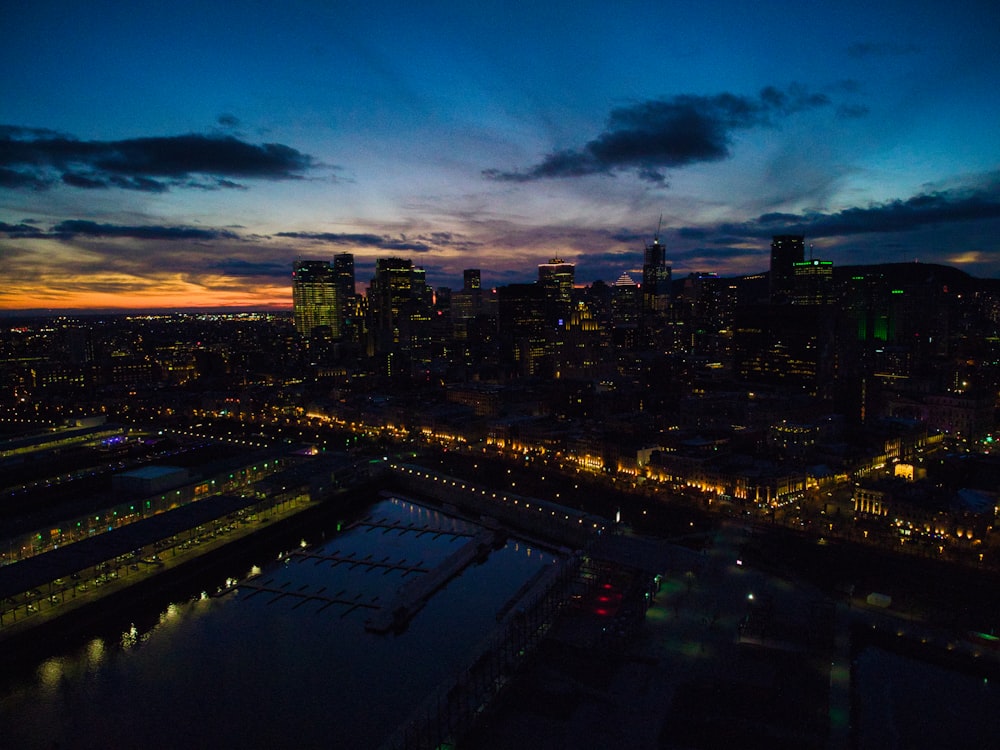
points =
(412, 597)
(386, 526)
(352, 562)
(304, 595)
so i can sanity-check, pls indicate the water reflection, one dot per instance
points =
(51, 672)
(129, 638)
(269, 669)
(95, 653)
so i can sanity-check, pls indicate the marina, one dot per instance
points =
(319, 675)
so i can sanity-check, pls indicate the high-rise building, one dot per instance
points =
(626, 306)
(812, 282)
(315, 298)
(625, 302)
(343, 273)
(556, 279)
(655, 279)
(524, 340)
(703, 314)
(467, 303)
(389, 295)
(786, 251)
(400, 308)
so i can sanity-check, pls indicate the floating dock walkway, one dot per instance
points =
(351, 561)
(304, 594)
(412, 597)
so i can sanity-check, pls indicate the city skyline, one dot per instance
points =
(181, 156)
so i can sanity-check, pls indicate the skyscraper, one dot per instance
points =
(557, 277)
(467, 303)
(343, 273)
(523, 334)
(400, 307)
(812, 282)
(655, 279)
(625, 301)
(626, 312)
(314, 298)
(556, 280)
(786, 251)
(471, 278)
(389, 297)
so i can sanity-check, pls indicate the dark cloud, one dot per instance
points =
(941, 207)
(363, 240)
(713, 253)
(227, 120)
(11, 178)
(78, 227)
(246, 268)
(220, 184)
(74, 179)
(142, 184)
(36, 158)
(443, 238)
(17, 229)
(881, 49)
(664, 133)
(726, 239)
(19, 131)
(628, 236)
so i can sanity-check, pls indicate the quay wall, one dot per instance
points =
(532, 516)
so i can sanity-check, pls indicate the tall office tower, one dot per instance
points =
(586, 345)
(343, 273)
(655, 279)
(523, 335)
(703, 311)
(467, 303)
(626, 312)
(796, 352)
(315, 299)
(389, 297)
(555, 279)
(786, 251)
(625, 301)
(812, 282)
(400, 306)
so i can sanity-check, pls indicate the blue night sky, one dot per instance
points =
(166, 155)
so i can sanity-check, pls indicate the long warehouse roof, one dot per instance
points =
(39, 570)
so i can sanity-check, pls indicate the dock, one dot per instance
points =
(304, 594)
(351, 561)
(409, 599)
